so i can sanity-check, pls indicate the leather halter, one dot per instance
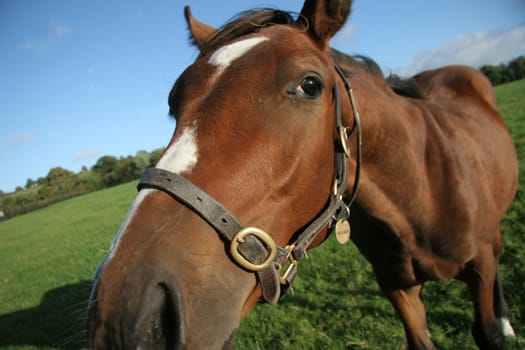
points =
(251, 248)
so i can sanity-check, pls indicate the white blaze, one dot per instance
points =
(224, 56)
(182, 155)
(131, 213)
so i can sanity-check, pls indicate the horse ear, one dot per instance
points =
(324, 18)
(200, 32)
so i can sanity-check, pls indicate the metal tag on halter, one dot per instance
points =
(342, 226)
(342, 231)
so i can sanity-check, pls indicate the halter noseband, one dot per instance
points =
(252, 248)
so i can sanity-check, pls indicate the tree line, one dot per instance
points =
(60, 184)
(505, 73)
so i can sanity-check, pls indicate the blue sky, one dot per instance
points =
(80, 79)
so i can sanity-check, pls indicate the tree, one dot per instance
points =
(60, 179)
(30, 183)
(505, 73)
(155, 156)
(105, 165)
(41, 181)
(517, 66)
(59, 184)
(127, 170)
(57, 174)
(106, 168)
(142, 160)
(493, 73)
(115, 171)
(88, 181)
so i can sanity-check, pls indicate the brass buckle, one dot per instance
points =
(240, 237)
(343, 134)
(291, 264)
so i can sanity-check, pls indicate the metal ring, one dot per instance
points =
(344, 140)
(240, 238)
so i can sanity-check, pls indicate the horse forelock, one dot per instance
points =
(245, 23)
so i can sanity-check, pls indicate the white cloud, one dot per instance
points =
(34, 46)
(60, 30)
(56, 33)
(22, 137)
(86, 155)
(476, 49)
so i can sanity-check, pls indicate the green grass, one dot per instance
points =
(47, 259)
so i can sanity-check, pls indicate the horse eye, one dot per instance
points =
(310, 86)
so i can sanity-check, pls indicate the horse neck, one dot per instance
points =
(386, 117)
(391, 134)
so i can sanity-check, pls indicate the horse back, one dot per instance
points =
(456, 81)
(462, 117)
(455, 170)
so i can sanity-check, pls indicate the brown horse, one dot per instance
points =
(268, 127)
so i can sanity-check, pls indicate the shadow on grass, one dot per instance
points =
(58, 322)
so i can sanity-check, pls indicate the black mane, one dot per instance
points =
(246, 23)
(252, 21)
(403, 87)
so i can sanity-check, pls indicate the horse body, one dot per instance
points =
(438, 176)
(256, 131)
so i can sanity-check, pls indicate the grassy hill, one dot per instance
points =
(47, 259)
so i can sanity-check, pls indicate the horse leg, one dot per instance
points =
(480, 276)
(501, 309)
(410, 308)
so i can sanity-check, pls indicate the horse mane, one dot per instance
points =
(252, 21)
(402, 87)
(245, 23)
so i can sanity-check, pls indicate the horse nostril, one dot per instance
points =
(152, 319)
(159, 320)
(166, 326)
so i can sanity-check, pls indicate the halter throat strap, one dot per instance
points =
(251, 248)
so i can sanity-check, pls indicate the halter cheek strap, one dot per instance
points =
(251, 248)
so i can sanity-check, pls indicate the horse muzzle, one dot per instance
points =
(167, 288)
(151, 317)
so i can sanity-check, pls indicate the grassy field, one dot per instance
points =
(47, 259)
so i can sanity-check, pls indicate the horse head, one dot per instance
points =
(245, 186)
